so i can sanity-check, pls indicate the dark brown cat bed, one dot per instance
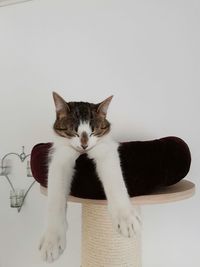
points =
(146, 165)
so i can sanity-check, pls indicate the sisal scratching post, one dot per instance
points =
(102, 246)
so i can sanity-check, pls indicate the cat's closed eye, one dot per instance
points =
(61, 129)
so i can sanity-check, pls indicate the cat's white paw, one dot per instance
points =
(126, 221)
(52, 244)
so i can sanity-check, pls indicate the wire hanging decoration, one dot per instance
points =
(17, 196)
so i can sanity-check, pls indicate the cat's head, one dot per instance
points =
(82, 124)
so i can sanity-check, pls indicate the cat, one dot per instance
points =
(82, 127)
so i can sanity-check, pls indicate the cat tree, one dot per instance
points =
(101, 245)
(153, 173)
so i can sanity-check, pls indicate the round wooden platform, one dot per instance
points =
(182, 190)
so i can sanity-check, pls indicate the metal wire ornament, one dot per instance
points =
(17, 196)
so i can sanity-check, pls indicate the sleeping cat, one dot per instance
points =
(82, 127)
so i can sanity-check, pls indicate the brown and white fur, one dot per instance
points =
(82, 127)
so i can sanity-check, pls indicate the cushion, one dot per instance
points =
(146, 166)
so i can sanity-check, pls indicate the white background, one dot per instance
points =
(146, 53)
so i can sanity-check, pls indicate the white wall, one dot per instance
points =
(146, 53)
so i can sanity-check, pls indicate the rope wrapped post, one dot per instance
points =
(102, 246)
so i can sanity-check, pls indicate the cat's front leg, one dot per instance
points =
(124, 216)
(60, 175)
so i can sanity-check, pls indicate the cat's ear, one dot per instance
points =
(103, 106)
(61, 106)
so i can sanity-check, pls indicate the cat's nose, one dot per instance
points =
(84, 146)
